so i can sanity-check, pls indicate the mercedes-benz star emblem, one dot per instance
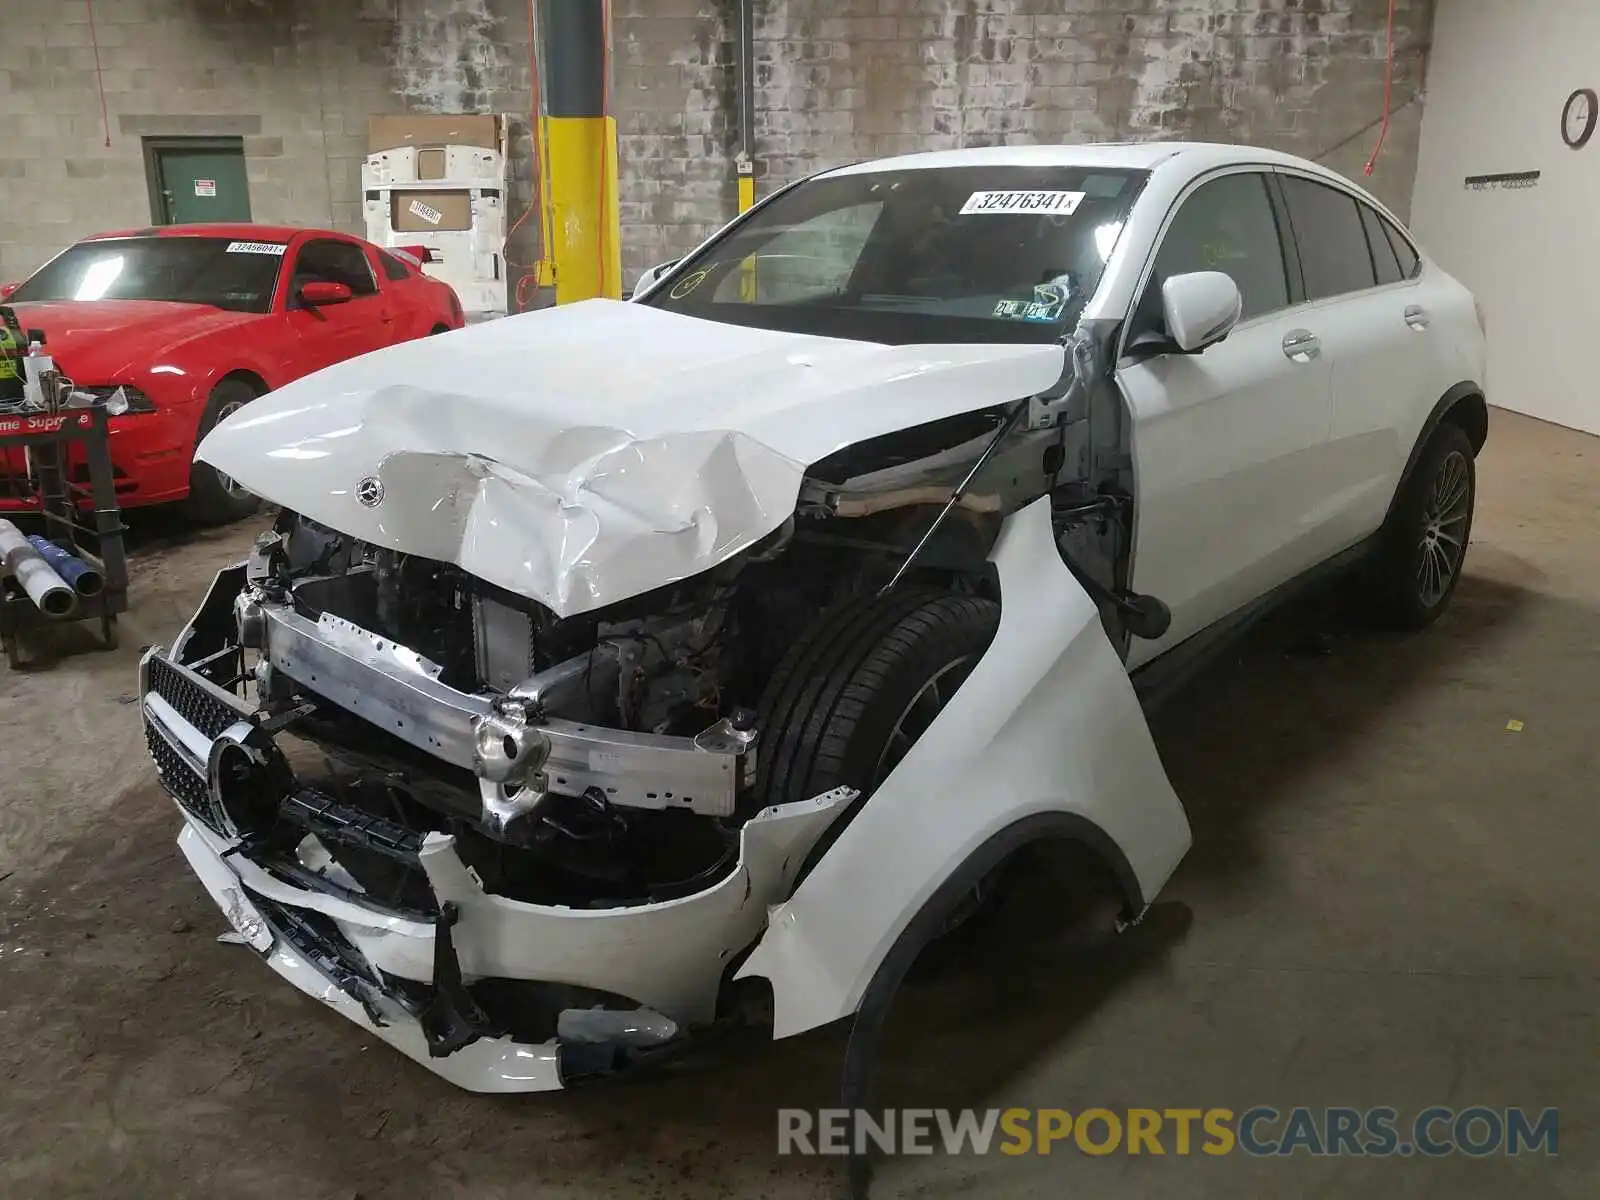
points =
(370, 491)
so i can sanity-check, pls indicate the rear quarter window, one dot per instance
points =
(1383, 256)
(1410, 263)
(393, 268)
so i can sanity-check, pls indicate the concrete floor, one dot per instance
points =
(1390, 902)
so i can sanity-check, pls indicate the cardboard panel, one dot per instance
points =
(387, 132)
(430, 211)
(430, 163)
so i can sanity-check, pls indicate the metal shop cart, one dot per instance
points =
(58, 464)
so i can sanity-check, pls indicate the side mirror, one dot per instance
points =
(1200, 308)
(648, 279)
(319, 292)
(6, 289)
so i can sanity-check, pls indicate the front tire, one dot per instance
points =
(1424, 542)
(214, 498)
(865, 681)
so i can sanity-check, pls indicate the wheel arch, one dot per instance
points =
(246, 376)
(1036, 829)
(1058, 828)
(866, 1031)
(1462, 405)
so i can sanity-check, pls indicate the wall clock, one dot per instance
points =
(1578, 118)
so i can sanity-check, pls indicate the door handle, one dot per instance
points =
(1301, 345)
(1417, 317)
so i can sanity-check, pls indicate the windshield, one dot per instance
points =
(962, 254)
(222, 272)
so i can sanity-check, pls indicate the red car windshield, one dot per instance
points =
(222, 272)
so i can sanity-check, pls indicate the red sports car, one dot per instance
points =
(195, 321)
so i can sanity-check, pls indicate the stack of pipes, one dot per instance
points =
(52, 578)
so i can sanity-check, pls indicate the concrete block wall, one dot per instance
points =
(174, 67)
(838, 80)
(295, 79)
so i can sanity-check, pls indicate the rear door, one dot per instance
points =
(334, 332)
(1229, 443)
(1362, 288)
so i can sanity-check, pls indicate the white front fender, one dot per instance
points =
(1046, 726)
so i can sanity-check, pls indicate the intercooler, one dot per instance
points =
(504, 642)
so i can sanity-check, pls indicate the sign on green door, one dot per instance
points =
(201, 185)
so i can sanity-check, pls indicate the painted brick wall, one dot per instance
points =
(837, 80)
(842, 81)
(673, 92)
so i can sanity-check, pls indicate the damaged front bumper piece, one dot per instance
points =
(492, 993)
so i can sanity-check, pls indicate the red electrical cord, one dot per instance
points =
(1388, 89)
(534, 104)
(99, 75)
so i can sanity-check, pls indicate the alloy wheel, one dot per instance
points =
(1444, 528)
(227, 482)
(915, 718)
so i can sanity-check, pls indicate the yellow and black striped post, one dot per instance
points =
(580, 140)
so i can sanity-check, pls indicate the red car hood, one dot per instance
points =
(100, 341)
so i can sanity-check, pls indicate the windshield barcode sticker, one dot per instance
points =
(256, 247)
(1054, 203)
(431, 215)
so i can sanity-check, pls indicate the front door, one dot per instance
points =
(335, 332)
(1228, 444)
(197, 180)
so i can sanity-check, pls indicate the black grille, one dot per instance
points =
(188, 788)
(193, 703)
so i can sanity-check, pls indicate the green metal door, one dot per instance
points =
(200, 184)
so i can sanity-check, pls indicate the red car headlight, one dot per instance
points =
(138, 402)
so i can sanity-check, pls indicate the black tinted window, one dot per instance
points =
(335, 262)
(392, 266)
(225, 273)
(1383, 259)
(1403, 251)
(1333, 245)
(1227, 225)
(1007, 253)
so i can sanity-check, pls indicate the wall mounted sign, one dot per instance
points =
(1578, 118)
(1508, 181)
(205, 187)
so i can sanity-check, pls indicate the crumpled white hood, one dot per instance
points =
(584, 454)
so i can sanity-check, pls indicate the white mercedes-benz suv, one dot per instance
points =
(607, 661)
